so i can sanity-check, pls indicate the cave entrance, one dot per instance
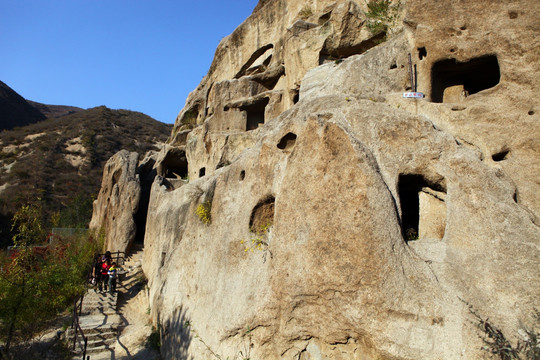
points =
(147, 174)
(262, 215)
(255, 114)
(475, 75)
(175, 165)
(287, 142)
(423, 208)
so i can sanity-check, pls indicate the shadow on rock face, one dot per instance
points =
(176, 336)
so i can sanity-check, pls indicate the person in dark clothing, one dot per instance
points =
(104, 279)
(96, 271)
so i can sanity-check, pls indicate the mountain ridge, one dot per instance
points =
(58, 160)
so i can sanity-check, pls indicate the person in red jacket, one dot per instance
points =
(104, 275)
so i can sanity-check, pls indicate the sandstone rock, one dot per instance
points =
(317, 175)
(118, 201)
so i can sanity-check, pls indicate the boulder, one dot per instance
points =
(118, 201)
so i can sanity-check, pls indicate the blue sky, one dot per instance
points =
(141, 55)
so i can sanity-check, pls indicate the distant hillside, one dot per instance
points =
(15, 110)
(51, 111)
(60, 160)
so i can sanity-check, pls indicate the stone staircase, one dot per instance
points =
(100, 320)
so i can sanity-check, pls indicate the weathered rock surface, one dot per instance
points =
(118, 201)
(348, 222)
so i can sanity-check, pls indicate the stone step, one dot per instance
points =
(100, 348)
(96, 311)
(105, 330)
(92, 334)
(96, 343)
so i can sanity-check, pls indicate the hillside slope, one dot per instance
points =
(15, 110)
(61, 159)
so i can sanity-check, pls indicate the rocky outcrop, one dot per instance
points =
(305, 210)
(118, 201)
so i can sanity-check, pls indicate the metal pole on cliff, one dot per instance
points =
(411, 76)
(415, 79)
(413, 93)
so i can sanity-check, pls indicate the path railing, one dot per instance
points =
(76, 326)
(119, 257)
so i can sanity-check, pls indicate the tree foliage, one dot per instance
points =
(38, 282)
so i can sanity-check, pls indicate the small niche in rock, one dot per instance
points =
(287, 142)
(255, 114)
(422, 52)
(256, 59)
(473, 76)
(295, 94)
(174, 165)
(423, 208)
(116, 176)
(328, 54)
(531, 112)
(202, 172)
(512, 14)
(242, 175)
(190, 116)
(163, 256)
(262, 215)
(500, 156)
(393, 66)
(324, 17)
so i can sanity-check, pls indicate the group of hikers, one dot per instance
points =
(104, 273)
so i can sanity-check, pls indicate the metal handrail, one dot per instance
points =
(117, 256)
(77, 306)
(76, 326)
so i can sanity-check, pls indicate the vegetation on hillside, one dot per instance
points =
(60, 162)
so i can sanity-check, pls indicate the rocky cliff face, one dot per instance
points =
(304, 209)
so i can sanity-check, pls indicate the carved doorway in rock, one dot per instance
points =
(423, 208)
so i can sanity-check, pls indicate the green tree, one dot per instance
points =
(37, 282)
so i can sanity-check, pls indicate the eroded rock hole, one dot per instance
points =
(422, 52)
(163, 256)
(295, 95)
(242, 175)
(423, 208)
(531, 112)
(174, 165)
(500, 156)
(255, 114)
(116, 176)
(147, 173)
(287, 142)
(202, 172)
(190, 116)
(324, 18)
(256, 61)
(330, 53)
(262, 216)
(449, 76)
